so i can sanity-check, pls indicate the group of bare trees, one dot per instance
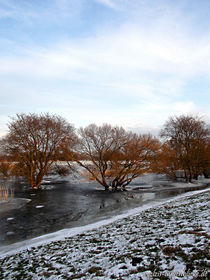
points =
(109, 155)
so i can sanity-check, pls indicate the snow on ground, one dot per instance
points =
(169, 241)
(195, 183)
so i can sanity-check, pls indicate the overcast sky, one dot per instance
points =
(127, 62)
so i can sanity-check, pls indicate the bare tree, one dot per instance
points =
(167, 161)
(5, 169)
(187, 136)
(113, 157)
(34, 142)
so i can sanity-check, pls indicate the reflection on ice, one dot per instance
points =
(148, 196)
(9, 233)
(16, 203)
(6, 194)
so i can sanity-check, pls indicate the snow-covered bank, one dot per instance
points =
(150, 182)
(168, 237)
(62, 234)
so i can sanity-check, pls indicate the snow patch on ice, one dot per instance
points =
(10, 219)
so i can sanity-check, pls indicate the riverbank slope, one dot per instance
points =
(167, 242)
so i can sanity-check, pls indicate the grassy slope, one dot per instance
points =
(166, 241)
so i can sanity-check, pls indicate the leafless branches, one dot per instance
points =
(109, 155)
(187, 138)
(34, 142)
(114, 157)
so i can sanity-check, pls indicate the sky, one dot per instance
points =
(132, 63)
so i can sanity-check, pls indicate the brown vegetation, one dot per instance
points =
(109, 155)
(114, 157)
(187, 139)
(35, 141)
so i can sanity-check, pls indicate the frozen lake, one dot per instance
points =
(66, 205)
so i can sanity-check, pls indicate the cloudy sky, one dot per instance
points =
(127, 62)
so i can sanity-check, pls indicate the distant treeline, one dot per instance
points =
(108, 154)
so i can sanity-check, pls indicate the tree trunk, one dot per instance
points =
(195, 176)
(36, 181)
(206, 174)
(39, 179)
(106, 188)
(186, 175)
(114, 184)
(190, 178)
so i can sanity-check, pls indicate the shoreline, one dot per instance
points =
(60, 235)
(169, 241)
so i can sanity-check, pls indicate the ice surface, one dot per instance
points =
(15, 203)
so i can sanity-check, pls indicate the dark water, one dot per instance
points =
(70, 205)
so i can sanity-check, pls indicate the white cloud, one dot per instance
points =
(108, 3)
(184, 107)
(132, 74)
(124, 60)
